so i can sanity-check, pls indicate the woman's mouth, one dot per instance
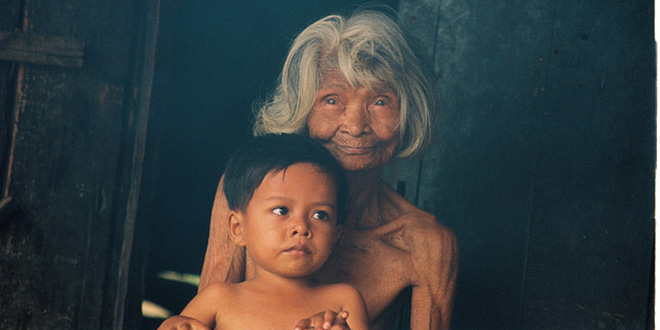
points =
(354, 150)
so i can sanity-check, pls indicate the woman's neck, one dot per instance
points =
(369, 202)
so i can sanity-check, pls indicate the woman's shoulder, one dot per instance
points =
(421, 221)
(407, 211)
(416, 224)
(413, 218)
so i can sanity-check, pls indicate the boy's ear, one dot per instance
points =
(235, 222)
(337, 233)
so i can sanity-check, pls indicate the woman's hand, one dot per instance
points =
(328, 320)
(179, 322)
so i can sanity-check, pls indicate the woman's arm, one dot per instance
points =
(224, 261)
(435, 261)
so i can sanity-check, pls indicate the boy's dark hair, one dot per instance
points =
(275, 152)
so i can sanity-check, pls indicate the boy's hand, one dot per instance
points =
(179, 322)
(328, 320)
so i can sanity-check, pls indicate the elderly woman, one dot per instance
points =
(358, 86)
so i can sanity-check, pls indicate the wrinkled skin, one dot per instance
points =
(387, 244)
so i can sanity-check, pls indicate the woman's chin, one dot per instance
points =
(355, 163)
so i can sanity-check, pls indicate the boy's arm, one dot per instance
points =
(224, 261)
(200, 313)
(354, 304)
(178, 322)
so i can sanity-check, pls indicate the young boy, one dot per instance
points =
(286, 194)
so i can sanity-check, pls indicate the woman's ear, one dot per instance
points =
(235, 222)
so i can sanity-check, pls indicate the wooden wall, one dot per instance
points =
(75, 79)
(543, 164)
(544, 160)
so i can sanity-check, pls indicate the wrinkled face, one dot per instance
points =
(359, 126)
(290, 224)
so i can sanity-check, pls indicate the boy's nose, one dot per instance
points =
(304, 233)
(300, 228)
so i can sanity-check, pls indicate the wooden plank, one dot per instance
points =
(477, 175)
(139, 104)
(41, 49)
(8, 208)
(591, 251)
(545, 165)
(70, 147)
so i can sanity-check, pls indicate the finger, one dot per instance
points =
(317, 322)
(196, 325)
(341, 317)
(329, 319)
(303, 324)
(340, 327)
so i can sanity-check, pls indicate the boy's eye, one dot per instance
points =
(280, 210)
(321, 215)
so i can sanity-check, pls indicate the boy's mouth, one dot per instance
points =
(298, 249)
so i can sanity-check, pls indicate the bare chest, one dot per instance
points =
(268, 313)
(376, 264)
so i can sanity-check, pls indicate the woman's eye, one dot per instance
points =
(331, 101)
(321, 215)
(280, 210)
(381, 102)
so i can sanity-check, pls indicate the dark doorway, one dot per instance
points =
(214, 60)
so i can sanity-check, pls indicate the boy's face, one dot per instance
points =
(290, 224)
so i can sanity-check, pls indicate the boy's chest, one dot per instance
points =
(269, 313)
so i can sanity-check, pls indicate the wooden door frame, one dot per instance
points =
(136, 137)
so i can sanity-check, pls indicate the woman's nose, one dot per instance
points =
(355, 119)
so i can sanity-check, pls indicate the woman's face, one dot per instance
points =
(359, 126)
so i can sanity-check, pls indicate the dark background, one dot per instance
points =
(542, 164)
(116, 119)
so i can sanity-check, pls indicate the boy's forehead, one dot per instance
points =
(300, 182)
(318, 171)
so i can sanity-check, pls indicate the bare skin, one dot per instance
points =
(246, 306)
(388, 245)
(288, 229)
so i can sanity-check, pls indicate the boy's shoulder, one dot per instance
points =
(341, 287)
(218, 291)
(342, 291)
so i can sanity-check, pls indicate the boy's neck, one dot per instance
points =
(274, 283)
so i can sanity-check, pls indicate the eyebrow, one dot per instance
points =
(281, 198)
